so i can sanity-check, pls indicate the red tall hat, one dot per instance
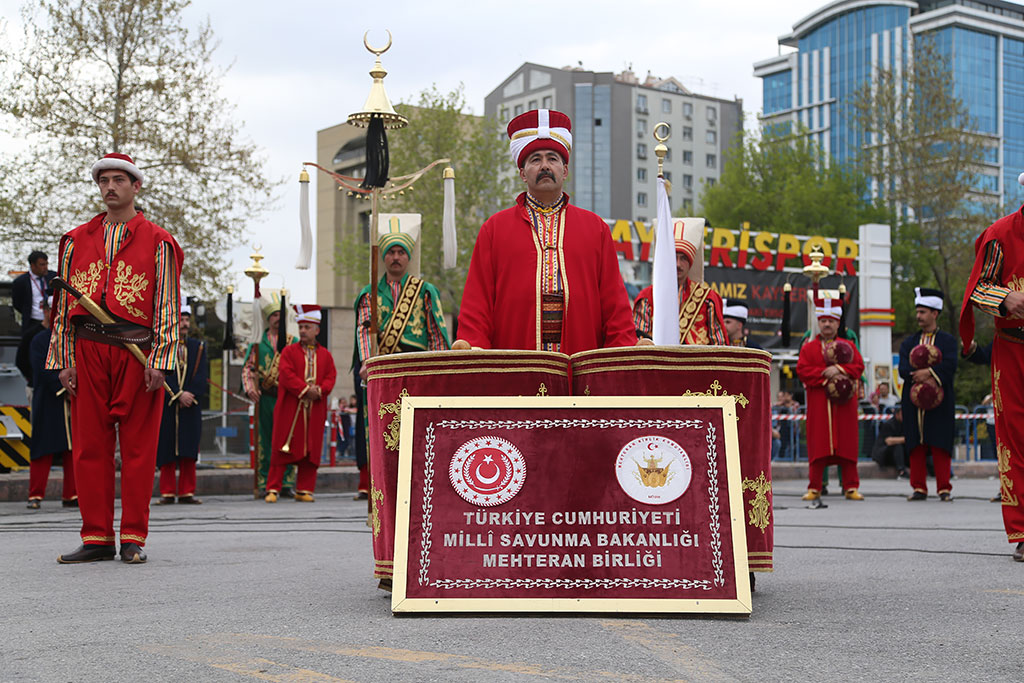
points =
(116, 162)
(828, 308)
(539, 129)
(307, 313)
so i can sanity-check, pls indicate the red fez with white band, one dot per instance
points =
(307, 313)
(539, 129)
(115, 162)
(689, 238)
(828, 308)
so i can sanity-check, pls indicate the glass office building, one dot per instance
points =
(838, 46)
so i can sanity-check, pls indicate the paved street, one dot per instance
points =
(238, 590)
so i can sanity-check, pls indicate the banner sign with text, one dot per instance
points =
(566, 504)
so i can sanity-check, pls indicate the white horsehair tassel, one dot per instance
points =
(306, 244)
(449, 238)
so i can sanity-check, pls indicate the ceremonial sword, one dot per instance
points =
(105, 318)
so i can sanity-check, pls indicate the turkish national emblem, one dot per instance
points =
(487, 471)
(653, 470)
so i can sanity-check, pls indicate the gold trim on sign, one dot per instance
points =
(719, 368)
(454, 356)
(675, 351)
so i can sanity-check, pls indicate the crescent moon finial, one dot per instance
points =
(377, 50)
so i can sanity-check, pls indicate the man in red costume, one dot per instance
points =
(544, 275)
(997, 288)
(129, 266)
(305, 379)
(700, 307)
(832, 433)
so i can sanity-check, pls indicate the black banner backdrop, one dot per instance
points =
(762, 292)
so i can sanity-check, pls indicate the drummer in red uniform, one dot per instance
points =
(544, 274)
(830, 369)
(305, 379)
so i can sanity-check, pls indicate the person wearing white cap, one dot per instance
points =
(735, 314)
(830, 369)
(306, 376)
(929, 431)
(544, 274)
(131, 266)
(182, 425)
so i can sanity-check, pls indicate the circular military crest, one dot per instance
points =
(653, 469)
(487, 471)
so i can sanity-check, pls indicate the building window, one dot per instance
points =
(641, 150)
(687, 133)
(641, 199)
(641, 175)
(688, 157)
(641, 127)
(688, 182)
(710, 182)
(711, 137)
(518, 109)
(668, 154)
(364, 226)
(666, 106)
(712, 116)
(504, 114)
(668, 175)
(711, 161)
(641, 104)
(532, 105)
(687, 206)
(688, 110)
(547, 101)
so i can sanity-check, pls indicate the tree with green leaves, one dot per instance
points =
(924, 154)
(782, 180)
(438, 129)
(124, 76)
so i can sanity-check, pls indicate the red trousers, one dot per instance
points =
(364, 480)
(112, 400)
(816, 470)
(186, 484)
(39, 473)
(919, 468)
(305, 478)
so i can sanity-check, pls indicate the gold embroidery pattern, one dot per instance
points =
(86, 281)
(542, 390)
(128, 288)
(690, 311)
(1005, 483)
(1016, 283)
(418, 321)
(376, 498)
(586, 390)
(760, 512)
(393, 430)
(714, 389)
(391, 334)
(997, 396)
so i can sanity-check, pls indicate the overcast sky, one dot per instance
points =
(298, 67)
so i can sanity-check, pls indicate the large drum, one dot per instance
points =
(438, 373)
(709, 371)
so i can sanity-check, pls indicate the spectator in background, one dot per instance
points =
(888, 448)
(28, 294)
(882, 397)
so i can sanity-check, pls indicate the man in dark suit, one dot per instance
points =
(29, 294)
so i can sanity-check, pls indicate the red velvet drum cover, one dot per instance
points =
(438, 373)
(710, 371)
(925, 356)
(840, 389)
(839, 353)
(926, 395)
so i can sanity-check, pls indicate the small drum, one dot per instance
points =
(438, 373)
(925, 356)
(839, 353)
(927, 395)
(709, 371)
(840, 389)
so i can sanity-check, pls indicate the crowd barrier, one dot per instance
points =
(974, 440)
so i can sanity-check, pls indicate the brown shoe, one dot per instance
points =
(166, 500)
(917, 495)
(1018, 554)
(33, 504)
(946, 497)
(70, 503)
(88, 553)
(131, 553)
(385, 585)
(189, 500)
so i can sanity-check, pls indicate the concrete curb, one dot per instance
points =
(345, 478)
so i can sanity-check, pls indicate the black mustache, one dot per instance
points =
(541, 174)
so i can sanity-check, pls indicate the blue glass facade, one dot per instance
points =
(592, 148)
(835, 57)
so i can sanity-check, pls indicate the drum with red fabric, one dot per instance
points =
(710, 371)
(438, 373)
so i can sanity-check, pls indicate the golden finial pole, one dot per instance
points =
(661, 151)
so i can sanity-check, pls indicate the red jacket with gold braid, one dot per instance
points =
(126, 286)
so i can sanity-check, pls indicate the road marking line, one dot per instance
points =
(667, 647)
(239, 663)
